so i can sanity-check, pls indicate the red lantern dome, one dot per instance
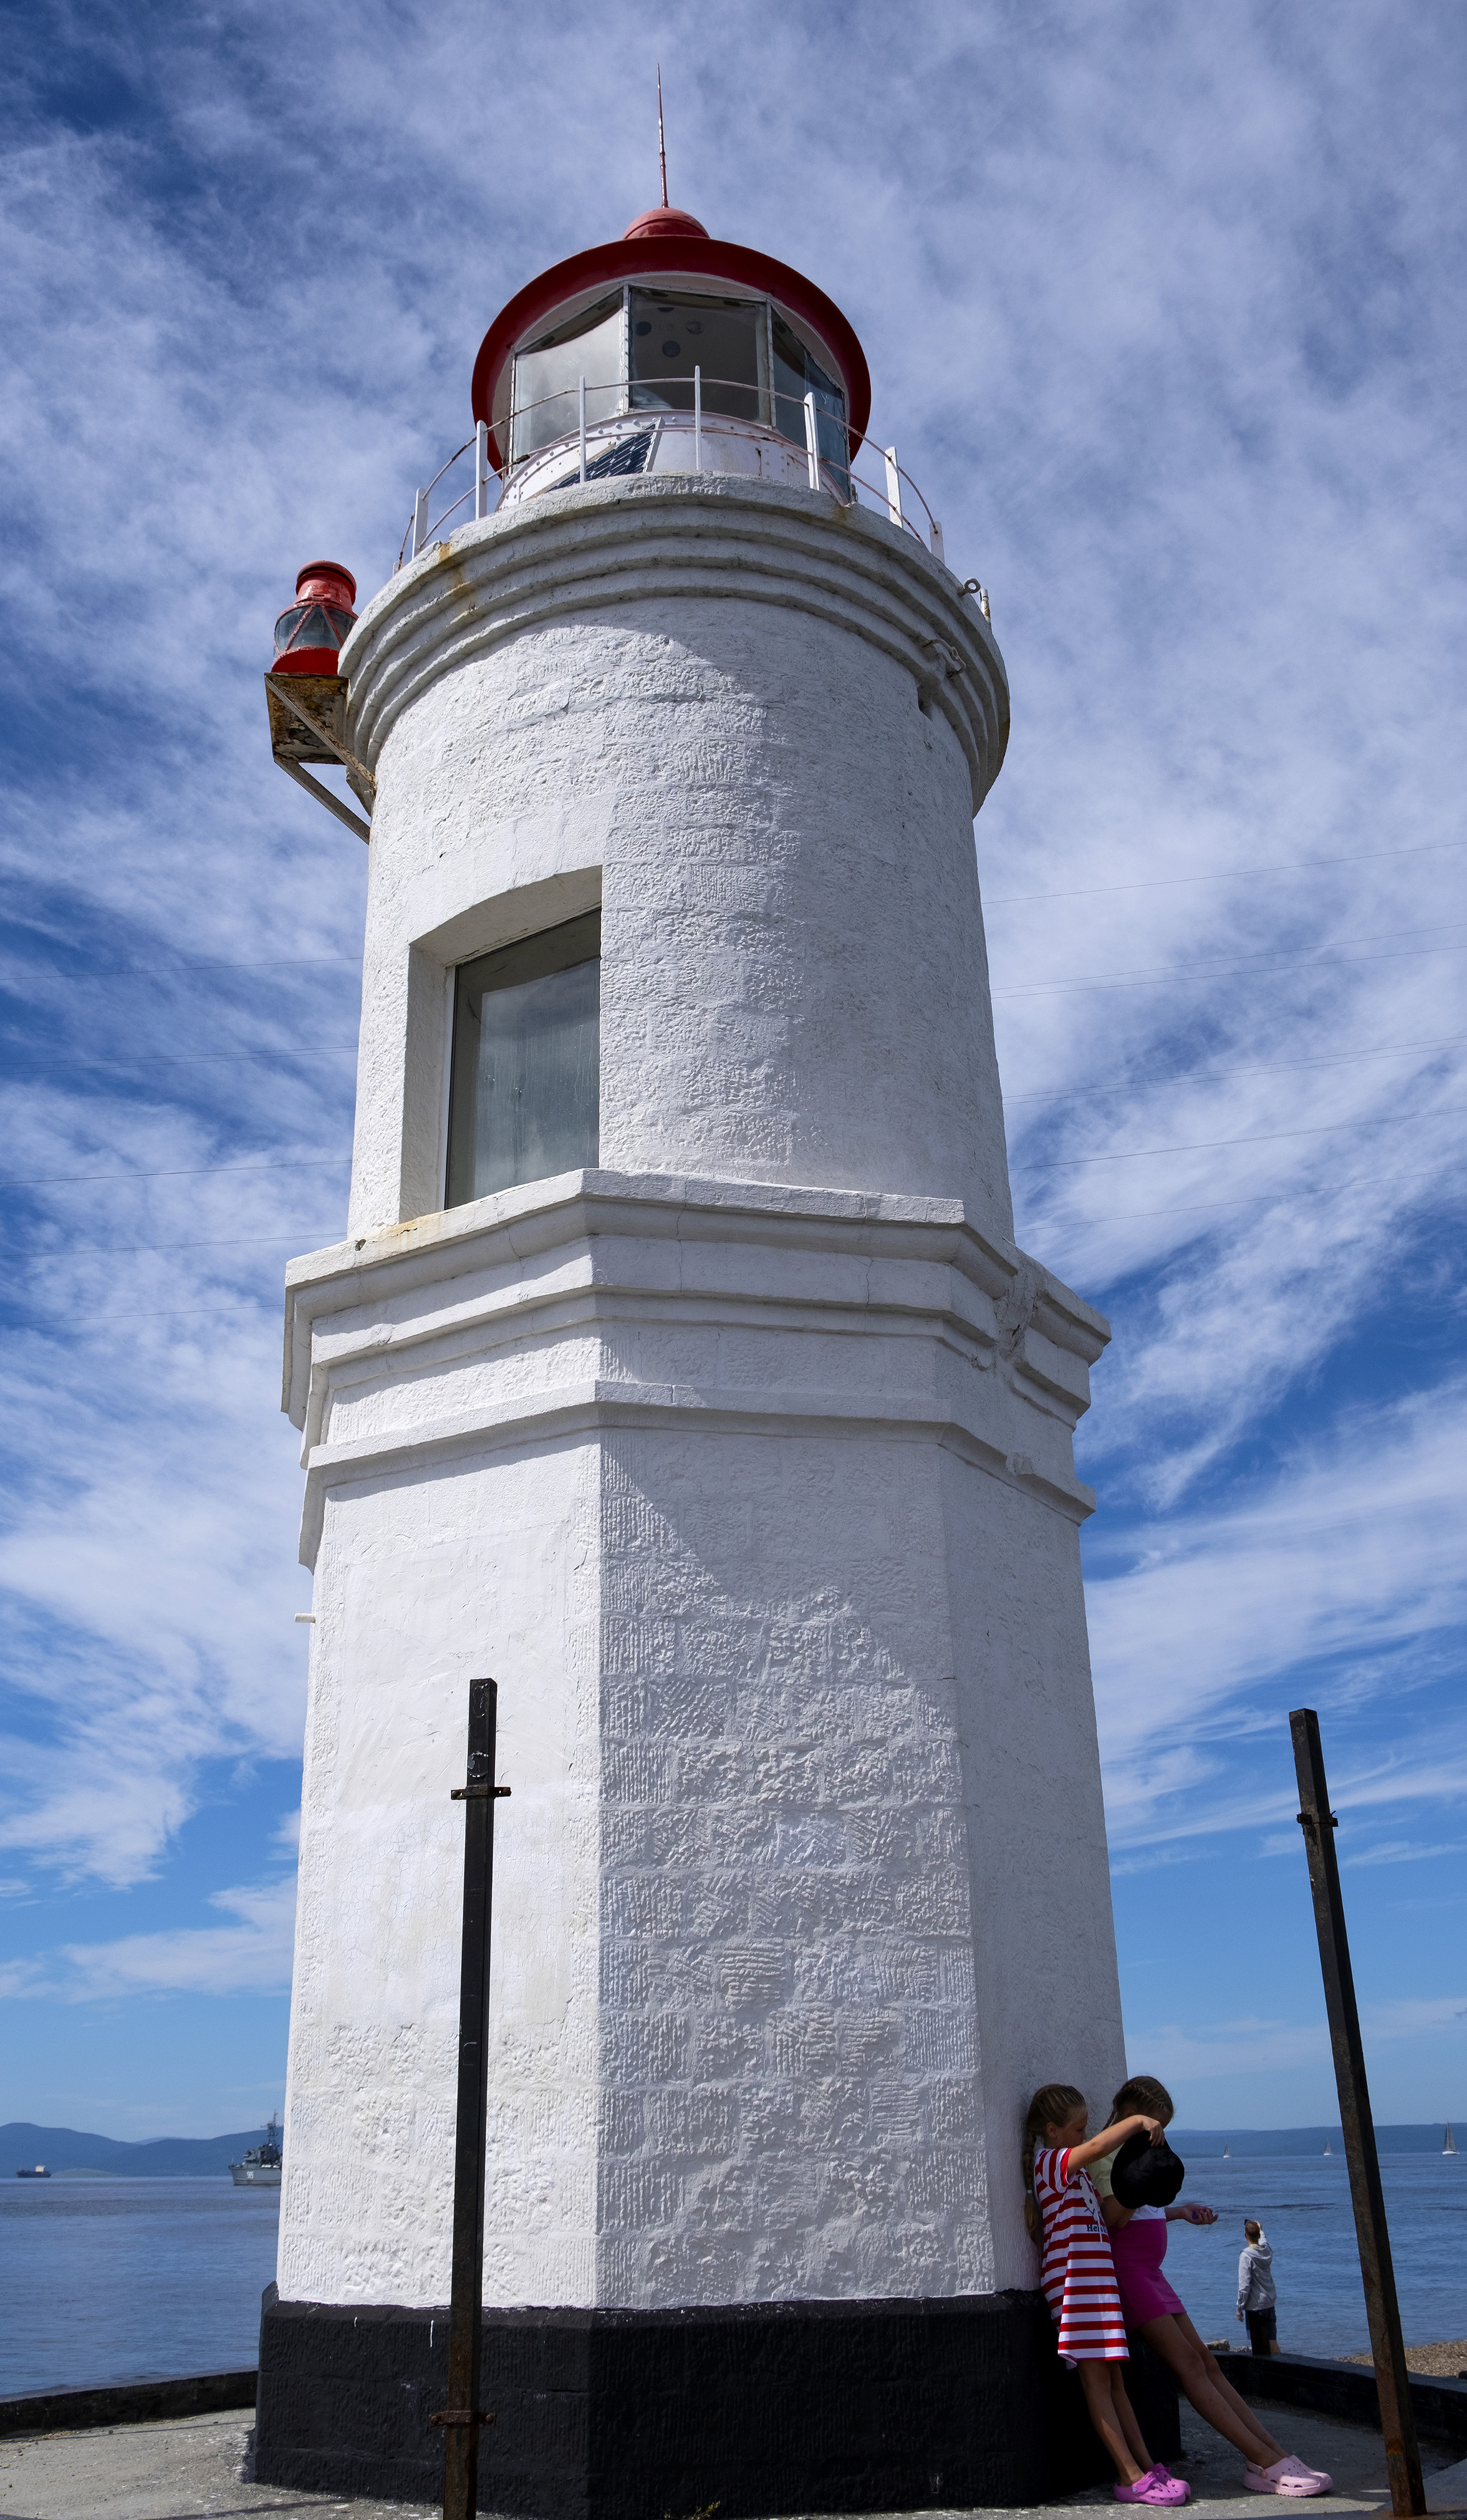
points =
(309, 633)
(761, 333)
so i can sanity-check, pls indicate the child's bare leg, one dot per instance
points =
(1125, 2418)
(1188, 2363)
(1100, 2406)
(1228, 2392)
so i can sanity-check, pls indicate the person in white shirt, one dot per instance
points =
(1257, 2297)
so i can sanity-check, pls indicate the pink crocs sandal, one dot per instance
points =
(1287, 2476)
(1293, 2466)
(1156, 2486)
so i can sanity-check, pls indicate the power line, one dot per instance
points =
(148, 1313)
(1267, 1137)
(222, 1242)
(1182, 971)
(1207, 1075)
(167, 971)
(1227, 875)
(186, 1059)
(176, 1172)
(1261, 1199)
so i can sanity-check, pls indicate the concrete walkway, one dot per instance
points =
(196, 2470)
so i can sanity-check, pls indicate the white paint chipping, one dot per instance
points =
(743, 1462)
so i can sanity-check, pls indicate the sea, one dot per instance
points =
(131, 2279)
(136, 2279)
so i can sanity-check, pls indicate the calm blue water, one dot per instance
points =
(1304, 2207)
(131, 2279)
(126, 2278)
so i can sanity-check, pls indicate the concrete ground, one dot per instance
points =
(196, 2469)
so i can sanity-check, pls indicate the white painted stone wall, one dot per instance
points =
(757, 726)
(743, 1462)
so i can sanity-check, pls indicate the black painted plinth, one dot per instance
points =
(763, 2408)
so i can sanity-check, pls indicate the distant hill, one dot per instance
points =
(169, 2157)
(1250, 2143)
(182, 2156)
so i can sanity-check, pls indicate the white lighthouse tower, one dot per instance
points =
(681, 1371)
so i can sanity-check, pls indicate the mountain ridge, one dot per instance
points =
(183, 2156)
(167, 2156)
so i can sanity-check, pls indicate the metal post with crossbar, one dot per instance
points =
(462, 2419)
(1392, 2379)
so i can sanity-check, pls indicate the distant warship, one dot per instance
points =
(260, 2167)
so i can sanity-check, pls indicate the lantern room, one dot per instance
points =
(670, 352)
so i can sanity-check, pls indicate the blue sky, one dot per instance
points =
(1163, 308)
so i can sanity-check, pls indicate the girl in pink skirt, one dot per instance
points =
(1138, 2240)
(1078, 2277)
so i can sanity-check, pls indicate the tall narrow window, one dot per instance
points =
(527, 1061)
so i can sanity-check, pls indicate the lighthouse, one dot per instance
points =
(679, 1368)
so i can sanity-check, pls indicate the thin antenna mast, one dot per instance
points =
(661, 139)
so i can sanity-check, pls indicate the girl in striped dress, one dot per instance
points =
(1078, 2277)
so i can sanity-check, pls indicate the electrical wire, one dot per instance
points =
(1266, 1138)
(329, 1235)
(1261, 1199)
(176, 1172)
(1207, 1075)
(185, 1058)
(1227, 875)
(166, 970)
(1183, 971)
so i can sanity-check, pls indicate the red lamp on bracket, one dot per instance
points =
(306, 693)
(310, 632)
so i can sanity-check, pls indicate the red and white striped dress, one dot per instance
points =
(1079, 2273)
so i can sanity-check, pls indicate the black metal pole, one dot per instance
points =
(461, 2417)
(1392, 2379)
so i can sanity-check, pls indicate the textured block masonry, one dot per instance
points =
(743, 1462)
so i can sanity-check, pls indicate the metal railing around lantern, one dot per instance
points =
(593, 443)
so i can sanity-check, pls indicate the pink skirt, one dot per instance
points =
(1138, 2248)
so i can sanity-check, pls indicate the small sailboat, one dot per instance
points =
(1227, 2150)
(1328, 2147)
(1450, 2144)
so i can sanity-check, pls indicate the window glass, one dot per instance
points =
(673, 335)
(547, 378)
(526, 1044)
(797, 373)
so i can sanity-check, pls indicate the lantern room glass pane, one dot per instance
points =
(547, 378)
(797, 373)
(525, 1098)
(672, 335)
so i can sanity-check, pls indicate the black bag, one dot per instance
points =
(1144, 2173)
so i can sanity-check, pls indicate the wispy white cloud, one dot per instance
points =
(1408, 1850)
(1156, 308)
(1184, 2053)
(1353, 1548)
(249, 1955)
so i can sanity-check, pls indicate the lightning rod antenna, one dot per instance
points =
(661, 139)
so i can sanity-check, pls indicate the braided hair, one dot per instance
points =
(1053, 2104)
(1143, 2096)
